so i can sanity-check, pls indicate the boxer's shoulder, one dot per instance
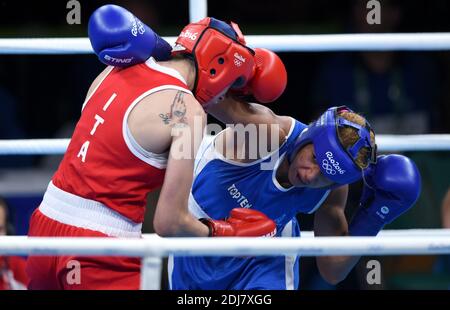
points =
(153, 119)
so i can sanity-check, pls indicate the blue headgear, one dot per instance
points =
(336, 163)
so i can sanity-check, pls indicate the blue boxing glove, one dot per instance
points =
(392, 186)
(120, 39)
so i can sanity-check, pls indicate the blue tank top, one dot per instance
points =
(220, 185)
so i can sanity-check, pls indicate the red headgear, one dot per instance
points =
(221, 58)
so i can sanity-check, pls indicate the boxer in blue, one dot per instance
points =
(316, 163)
(314, 166)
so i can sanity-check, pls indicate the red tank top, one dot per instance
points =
(102, 162)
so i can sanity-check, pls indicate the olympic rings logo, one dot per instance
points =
(137, 28)
(331, 163)
(328, 168)
(238, 59)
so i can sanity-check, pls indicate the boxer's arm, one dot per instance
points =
(329, 220)
(233, 110)
(172, 217)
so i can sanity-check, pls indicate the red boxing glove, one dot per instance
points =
(269, 77)
(242, 223)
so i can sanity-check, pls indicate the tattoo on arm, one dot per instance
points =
(177, 115)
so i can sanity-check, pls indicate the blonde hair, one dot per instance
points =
(349, 136)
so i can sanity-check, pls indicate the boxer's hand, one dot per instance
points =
(392, 186)
(242, 223)
(269, 77)
(120, 39)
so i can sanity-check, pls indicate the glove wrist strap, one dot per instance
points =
(208, 224)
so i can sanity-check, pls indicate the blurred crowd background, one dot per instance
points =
(399, 92)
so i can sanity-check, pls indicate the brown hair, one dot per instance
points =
(349, 136)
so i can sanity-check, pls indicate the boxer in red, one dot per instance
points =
(127, 143)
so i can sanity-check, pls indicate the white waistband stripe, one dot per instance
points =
(76, 211)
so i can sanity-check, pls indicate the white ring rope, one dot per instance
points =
(386, 143)
(430, 142)
(152, 247)
(352, 42)
(384, 233)
(33, 146)
(46, 46)
(387, 233)
(278, 43)
(159, 247)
